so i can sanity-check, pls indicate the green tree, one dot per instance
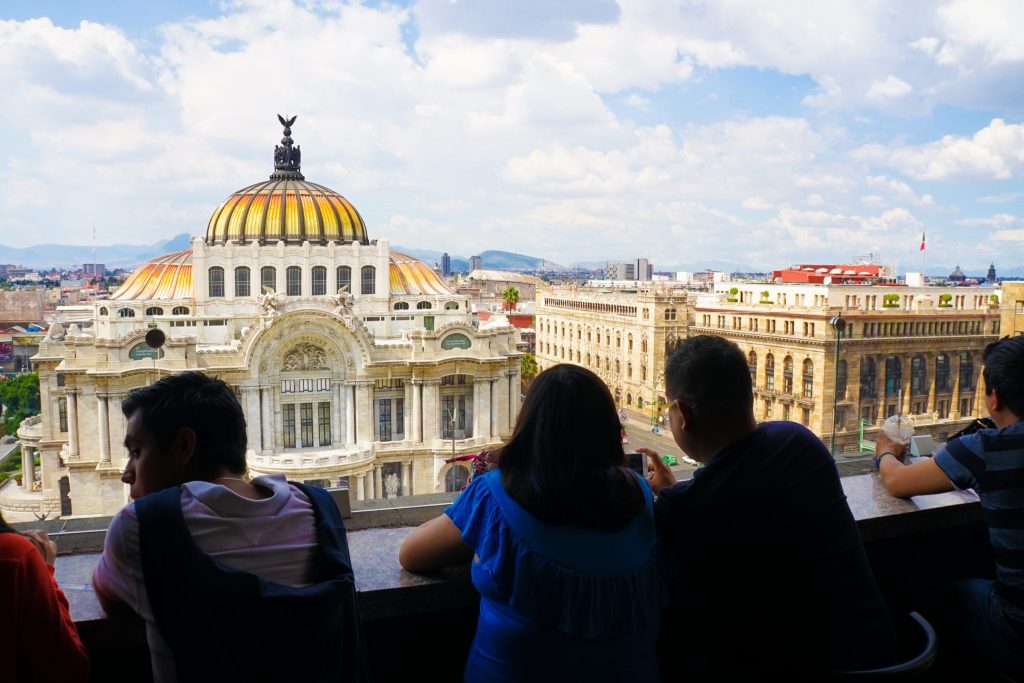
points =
(528, 366)
(20, 399)
(511, 297)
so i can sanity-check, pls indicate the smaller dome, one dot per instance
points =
(411, 276)
(165, 277)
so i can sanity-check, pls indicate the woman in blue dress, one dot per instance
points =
(562, 543)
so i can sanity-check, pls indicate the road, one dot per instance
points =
(638, 431)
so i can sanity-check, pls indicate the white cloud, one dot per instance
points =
(889, 89)
(757, 204)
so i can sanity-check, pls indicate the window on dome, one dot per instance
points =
(344, 278)
(216, 282)
(319, 281)
(179, 310)
(242, 281)
(402, 306)
(369, 280)
(268, 279)
(154, 310)
(126, 313)
(424, 305)
(293, 281)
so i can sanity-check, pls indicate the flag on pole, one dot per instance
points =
(922, 241)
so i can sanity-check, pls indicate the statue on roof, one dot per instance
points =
(287, 158)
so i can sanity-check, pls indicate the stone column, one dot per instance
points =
(431, 406)
(361, 486)
(407, 414)
(880, 377)
(930, 409)
(336, 403)
(267, 421)
(378, 481)
(251, 404)
(417, 411)
(119, 425)
(104, 424)
(516, 389)
(73, 446)
(364, 414)
(407, 477)
(28, 467)
(954, 367)
(350, 415)
(479, 386)
(907, 363)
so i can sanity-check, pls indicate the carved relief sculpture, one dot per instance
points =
(305, 357)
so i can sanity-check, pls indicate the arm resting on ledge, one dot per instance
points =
(917, 479)
(434, 544)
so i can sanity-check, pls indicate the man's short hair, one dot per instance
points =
(1004, 372)
(205, 405)
(710, 374)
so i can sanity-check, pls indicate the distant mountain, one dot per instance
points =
(492, 260)
(690, 267)
(112, 255)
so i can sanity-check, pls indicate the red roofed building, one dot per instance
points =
(859, 274)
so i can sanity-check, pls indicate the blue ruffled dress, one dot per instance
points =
(559, 602)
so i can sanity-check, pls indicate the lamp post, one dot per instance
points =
(839, 325)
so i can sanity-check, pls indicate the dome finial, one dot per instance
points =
(287, 159)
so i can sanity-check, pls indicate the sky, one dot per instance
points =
(759, 133)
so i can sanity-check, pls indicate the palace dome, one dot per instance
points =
(286, 207)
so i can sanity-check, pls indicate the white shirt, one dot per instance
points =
(273, 538)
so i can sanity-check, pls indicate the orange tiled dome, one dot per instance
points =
(165, 277)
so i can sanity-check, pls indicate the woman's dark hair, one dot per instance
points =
(564, 463)
(205, 405)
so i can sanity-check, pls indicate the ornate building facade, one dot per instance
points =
(349, 360)
(908, 350)
(622, 334)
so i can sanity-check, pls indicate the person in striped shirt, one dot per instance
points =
(987, 616)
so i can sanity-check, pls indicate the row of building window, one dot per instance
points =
(869, 330)
(151, 311)
(545, 329)
(787, 374)
(594, 306)
(292, 280)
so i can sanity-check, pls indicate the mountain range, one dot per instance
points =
(73, 256)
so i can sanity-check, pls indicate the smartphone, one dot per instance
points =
(637, 462)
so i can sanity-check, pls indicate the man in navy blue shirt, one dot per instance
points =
(774, 578)
(986, 617)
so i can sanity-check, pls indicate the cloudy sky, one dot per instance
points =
(762, 133)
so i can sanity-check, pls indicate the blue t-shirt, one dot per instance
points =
(991, 461)
(559, 602)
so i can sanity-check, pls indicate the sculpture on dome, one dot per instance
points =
(268, 302)
(287, 159)
(344, 299)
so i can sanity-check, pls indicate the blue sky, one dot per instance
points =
(762, 134)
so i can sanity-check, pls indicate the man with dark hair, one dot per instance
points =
(983, 619)
(214, 562)
(774, 578)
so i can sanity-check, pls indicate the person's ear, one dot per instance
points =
(187, 445)
(993, 402)
(687, 416)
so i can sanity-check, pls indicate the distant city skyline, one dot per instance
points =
(576, 131)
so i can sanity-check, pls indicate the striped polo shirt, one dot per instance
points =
(991, 461)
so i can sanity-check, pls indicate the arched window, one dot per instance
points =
(618, 366)
(752, 364)
(643, 373)
(942, 372)
(588, 359)
(918, 385)
(588, 334)
(808, 378)
(607, 337)
(643, 345)
(618, 340)
(629, 371)
(369, 280)
(126, 313)
(841, 380)
(629, 342)
(179, 310)
(893, 376)
(577, 356)
(216, 281)
(242, 281)
(424, 306)
(451, 306)
(629, 399)
(402, 306)
(104, 311)
(787, 375)
(343, 278)
(618, 395)
(455, 478)
(319, 280)
(868, 375)
(154, 310)
(966, 371)
(563, 330)
(293, 281)
(607, 363)
(769, 372)
(268, 279)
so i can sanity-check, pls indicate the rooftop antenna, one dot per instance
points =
(93, 253)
